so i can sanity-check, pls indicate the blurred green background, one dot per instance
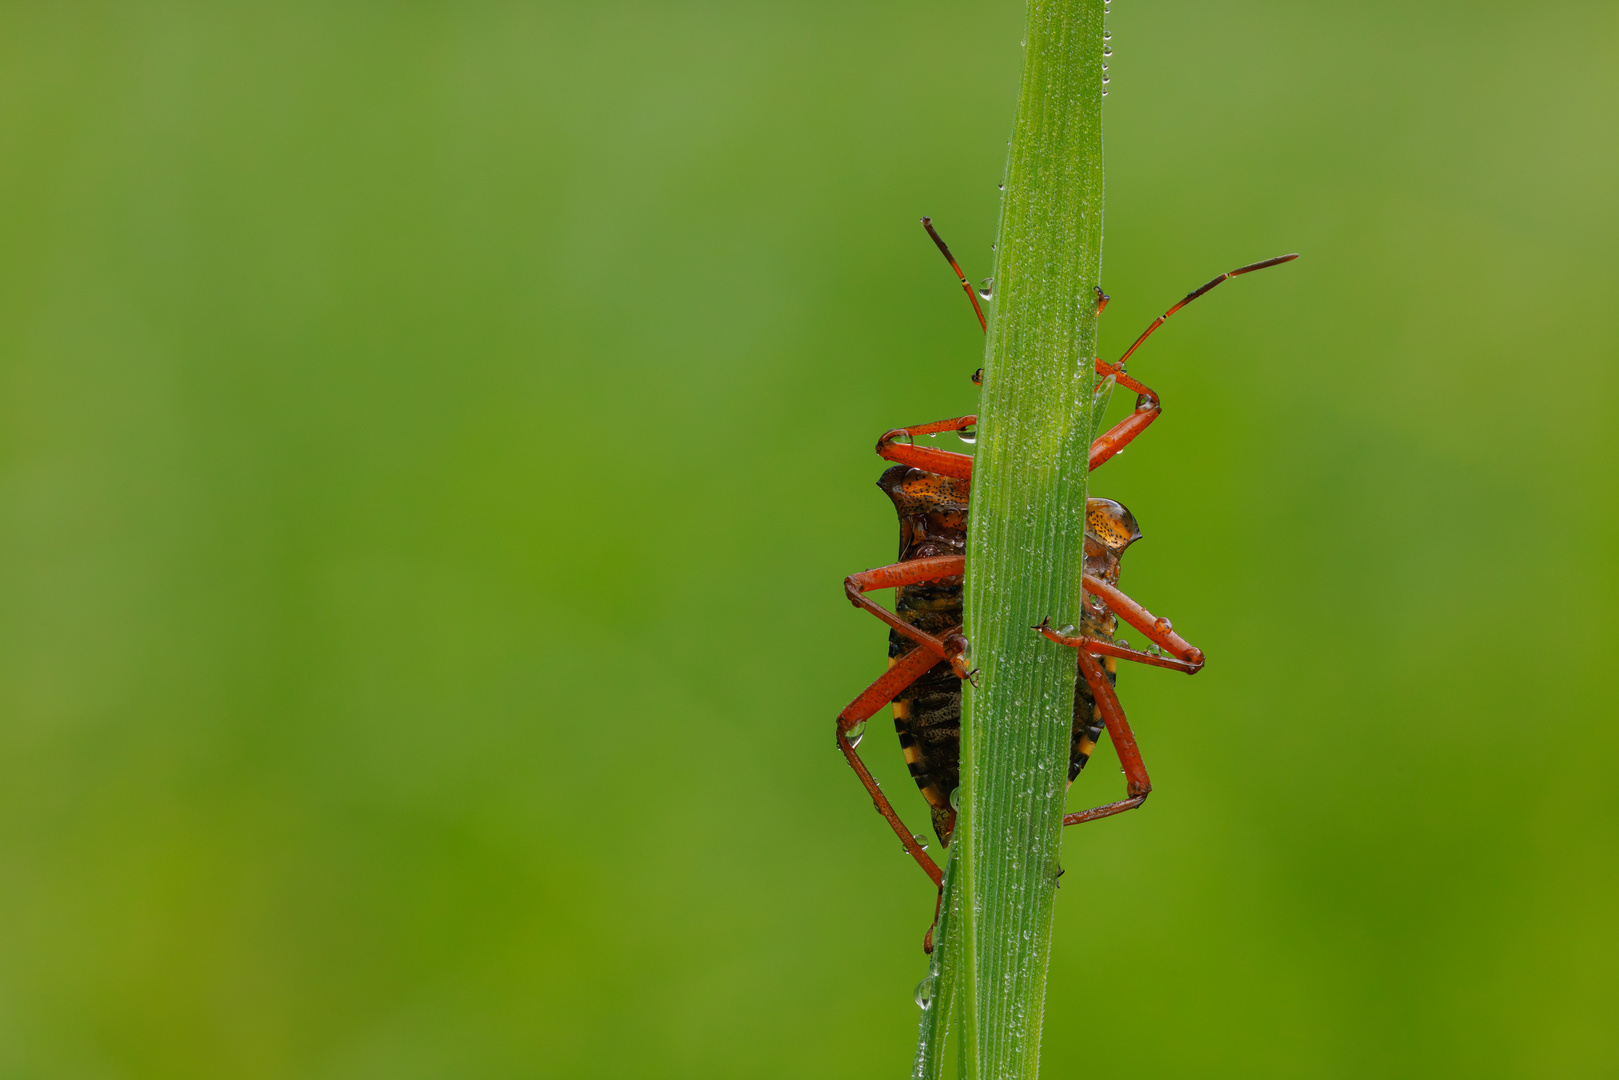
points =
(434, 435)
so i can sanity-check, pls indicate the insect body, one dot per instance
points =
(931, 490)
(927, 713)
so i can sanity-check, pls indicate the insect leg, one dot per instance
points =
(1161, 631)
(1137, 786)
(943, 462)
(1101, 647)
(905, 671)
(1117, 437)
(951, 646)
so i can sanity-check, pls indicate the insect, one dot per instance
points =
(931, 491)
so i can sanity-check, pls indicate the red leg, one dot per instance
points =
(934, 460)
(1160, 631)
(904, 671)
(1137, 786)
(852, 721)
(1099, 647)
(952, 646)
(1117, 437)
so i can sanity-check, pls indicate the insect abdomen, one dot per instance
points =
(927, 718)
(927, 714)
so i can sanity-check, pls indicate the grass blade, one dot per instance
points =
(1026, 536)
(936, 994)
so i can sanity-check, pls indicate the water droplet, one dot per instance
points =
(1105, 79)
(967, 435)
(1164, 624)
(1107, 50)
(924, 992)
(986, 288)
(856, 733)
(1107, 35)
(1002, 185)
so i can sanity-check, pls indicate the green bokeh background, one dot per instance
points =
(434, 434)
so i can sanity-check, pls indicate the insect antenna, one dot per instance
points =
(927, 223)
(1195, 293)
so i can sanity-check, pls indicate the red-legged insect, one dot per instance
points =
(931, 489)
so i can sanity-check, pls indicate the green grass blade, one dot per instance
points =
(1025, 541)
(936, 995)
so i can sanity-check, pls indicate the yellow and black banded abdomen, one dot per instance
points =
(927, 714)
(1088, 723)
(927, 718)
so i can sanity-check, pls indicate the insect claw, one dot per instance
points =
(894, 435)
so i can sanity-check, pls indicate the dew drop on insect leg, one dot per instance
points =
(856, 733)
(967, 435)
